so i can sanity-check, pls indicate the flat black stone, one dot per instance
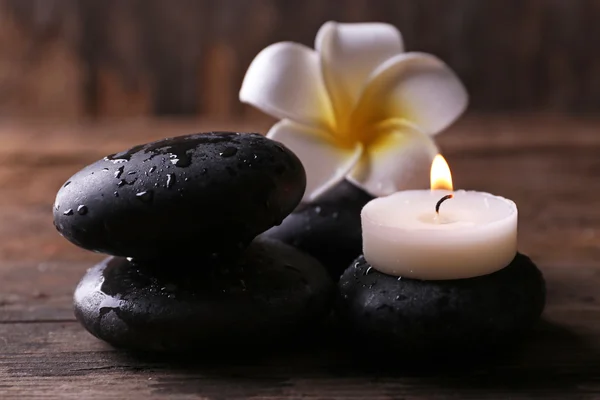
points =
(211, 192)
(328, 229)
(273, 292)
(464, 317)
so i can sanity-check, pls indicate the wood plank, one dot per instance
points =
(38, 291)
(41, 74)
(38, 356)
(82, 142)
(118, 58)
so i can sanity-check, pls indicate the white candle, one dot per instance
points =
(473, 234)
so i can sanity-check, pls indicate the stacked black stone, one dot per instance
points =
(424, 319)
(328, 229)
(179, 218)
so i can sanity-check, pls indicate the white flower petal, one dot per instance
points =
(416, 87)
(285, 81)
(399, 158)
(325, 162)
(350, 52)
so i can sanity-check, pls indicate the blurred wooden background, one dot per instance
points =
(116, 58)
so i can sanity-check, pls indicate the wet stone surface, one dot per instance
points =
(329, 229)
(430, 318)
(272, 291)
(211, 192)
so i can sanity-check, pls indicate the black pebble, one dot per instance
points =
(179, 195)
(273, 291)
(328, 229)
(424, 319)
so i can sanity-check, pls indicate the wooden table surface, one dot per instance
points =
(548, 165)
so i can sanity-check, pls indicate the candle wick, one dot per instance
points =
(439, 203)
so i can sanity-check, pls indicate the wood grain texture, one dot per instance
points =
(548, 165)
(119, 58)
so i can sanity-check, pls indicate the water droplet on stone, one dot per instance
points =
(119, 172)
(399, 278)
(67, 184)
(356, 264)
(113, 159)
(318, 210)
(82, 210)
(170, 180)
(68, 212)
(368, 270)
(228, 152)
(181, 160)
(146, 196)
(152, 169)
(116, 194)
(186, 179)
(131, 173)
(105, 169)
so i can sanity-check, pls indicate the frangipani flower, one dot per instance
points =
(357, 107)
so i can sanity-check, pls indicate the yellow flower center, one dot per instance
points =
(347, 136)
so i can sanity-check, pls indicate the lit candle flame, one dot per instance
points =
(440, 174)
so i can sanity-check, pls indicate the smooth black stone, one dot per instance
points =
(464, 317)
(273, 292)
(328, 229)
(211, 192)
